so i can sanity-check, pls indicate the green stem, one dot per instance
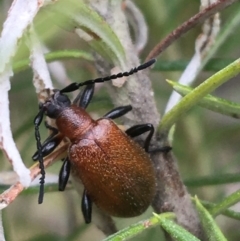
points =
(197, 94)
(226, 203)
(227, 212)
(139, 227)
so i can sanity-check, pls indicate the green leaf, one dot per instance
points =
(226, 203)
(95, 23)
(195, 96)
(137, 228)
(213, 180)
(176, 231)
(104, 38)
(227, 212)
(53, 56)
(210, 102)
(211, 229)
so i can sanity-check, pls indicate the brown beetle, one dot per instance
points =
(116, 172)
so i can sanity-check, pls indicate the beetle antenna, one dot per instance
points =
(37, 122)
(75, 86)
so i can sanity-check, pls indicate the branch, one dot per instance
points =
(189, 24)
(11, 194)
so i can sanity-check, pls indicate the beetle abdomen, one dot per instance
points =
(116, 172)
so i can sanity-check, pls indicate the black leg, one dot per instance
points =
(50, 143)
(75, 86)
(118, 112)
(64, 174)
(86, 207)
(48, 146)
(165, 149)
(84, 98)
(139, 130)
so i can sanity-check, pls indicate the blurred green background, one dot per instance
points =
(205, 143)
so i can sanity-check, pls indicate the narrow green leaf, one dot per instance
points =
(53, 56)
(213, 180)
(109, 41)
(137, 228)
(210, 102)
(176, 231)
(95, 25)
(226, 203)
(227, 212)
(197, 94)
(211, 229)
(132, 230)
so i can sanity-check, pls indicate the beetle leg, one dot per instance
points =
(118, 112)
(48, 146)
(165, 149)
(84, 97)
(64, 174)
(50, 143)
(86, 207)
(138, 130)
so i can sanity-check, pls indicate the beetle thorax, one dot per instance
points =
(73, 122)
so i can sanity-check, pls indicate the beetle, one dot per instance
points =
(117, 173)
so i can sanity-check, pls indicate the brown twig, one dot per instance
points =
(105, 222)
(186, 26)
(10, 194)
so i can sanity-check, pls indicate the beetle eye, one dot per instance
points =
(52, 111)
(63, 100)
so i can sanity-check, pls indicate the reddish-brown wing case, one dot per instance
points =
(116, 172)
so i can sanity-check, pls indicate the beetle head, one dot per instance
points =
(56, 104)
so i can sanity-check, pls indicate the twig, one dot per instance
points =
(10, 195)
(203, 44)
(189, 24)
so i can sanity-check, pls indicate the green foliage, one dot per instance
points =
(133, 230)
(198, 93)
(211, 229)
(206, 144)
(210, 102)
(176, 231)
